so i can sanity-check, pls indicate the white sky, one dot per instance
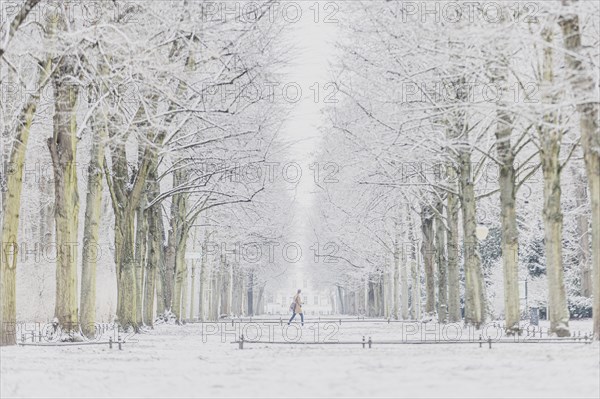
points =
(310, 66)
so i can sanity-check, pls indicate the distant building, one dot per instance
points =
(316, 302)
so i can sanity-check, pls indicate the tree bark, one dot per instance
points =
(428, 252)
(440, 256)
(141, 253)
(550, 137)
(452, 209)
(474, 287)
(396, 271)
(508, 214)
(63, 152)
(91, 230)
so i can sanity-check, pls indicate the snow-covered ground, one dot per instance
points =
(193, 361)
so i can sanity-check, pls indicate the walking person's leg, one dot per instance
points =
(302, 317)
(292, 318)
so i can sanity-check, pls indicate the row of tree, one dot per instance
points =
(447, 123)
(162, 101)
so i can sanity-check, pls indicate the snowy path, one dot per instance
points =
(173, 361)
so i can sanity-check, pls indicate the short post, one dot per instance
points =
(280, 321)
(490, 342)
(33, 336)
(110, 341)
(40, 336)
(241, 342)
(370, 342)
(231, 322)
(480, 342)
(340, 321)
(23, 338)
(120, 342)
(363, 342)
(388, 320)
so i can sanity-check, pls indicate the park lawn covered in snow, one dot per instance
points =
(173, 361)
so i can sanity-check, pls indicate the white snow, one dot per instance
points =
(173, 361)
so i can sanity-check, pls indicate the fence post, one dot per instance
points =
(110, 341)
(490, 342)
(40, 336)
(370, 342)
(120, 342)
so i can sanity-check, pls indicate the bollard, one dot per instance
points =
(388, 320)
(480, 342)
(22, 337)
(242, 342)
(370, 342)
(280, 321)
(33, 336)
(490, 342)
(40, 336)
(110, 341)
(363, 342)
(340, 321)
(231, 322)
(120, 348)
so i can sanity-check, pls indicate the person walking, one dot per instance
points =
(296, 307)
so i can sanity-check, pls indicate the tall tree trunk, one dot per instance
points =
(583, 80)
(251, 294)
(11, 207)
(550, 139)
(452, 209)
(155, 246)
(202, 282)
(583, 236)
(180, 272)
(440, 256)
(396, 271)
(63, 151)
(261, 294)
(141, 248)
(404, 286)
(193, 288)
(91, 230)
(508, 214)
(474, 287)
(341, 299)
(184, 295)
(125, 261)
(226, 307)
(428, 252)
